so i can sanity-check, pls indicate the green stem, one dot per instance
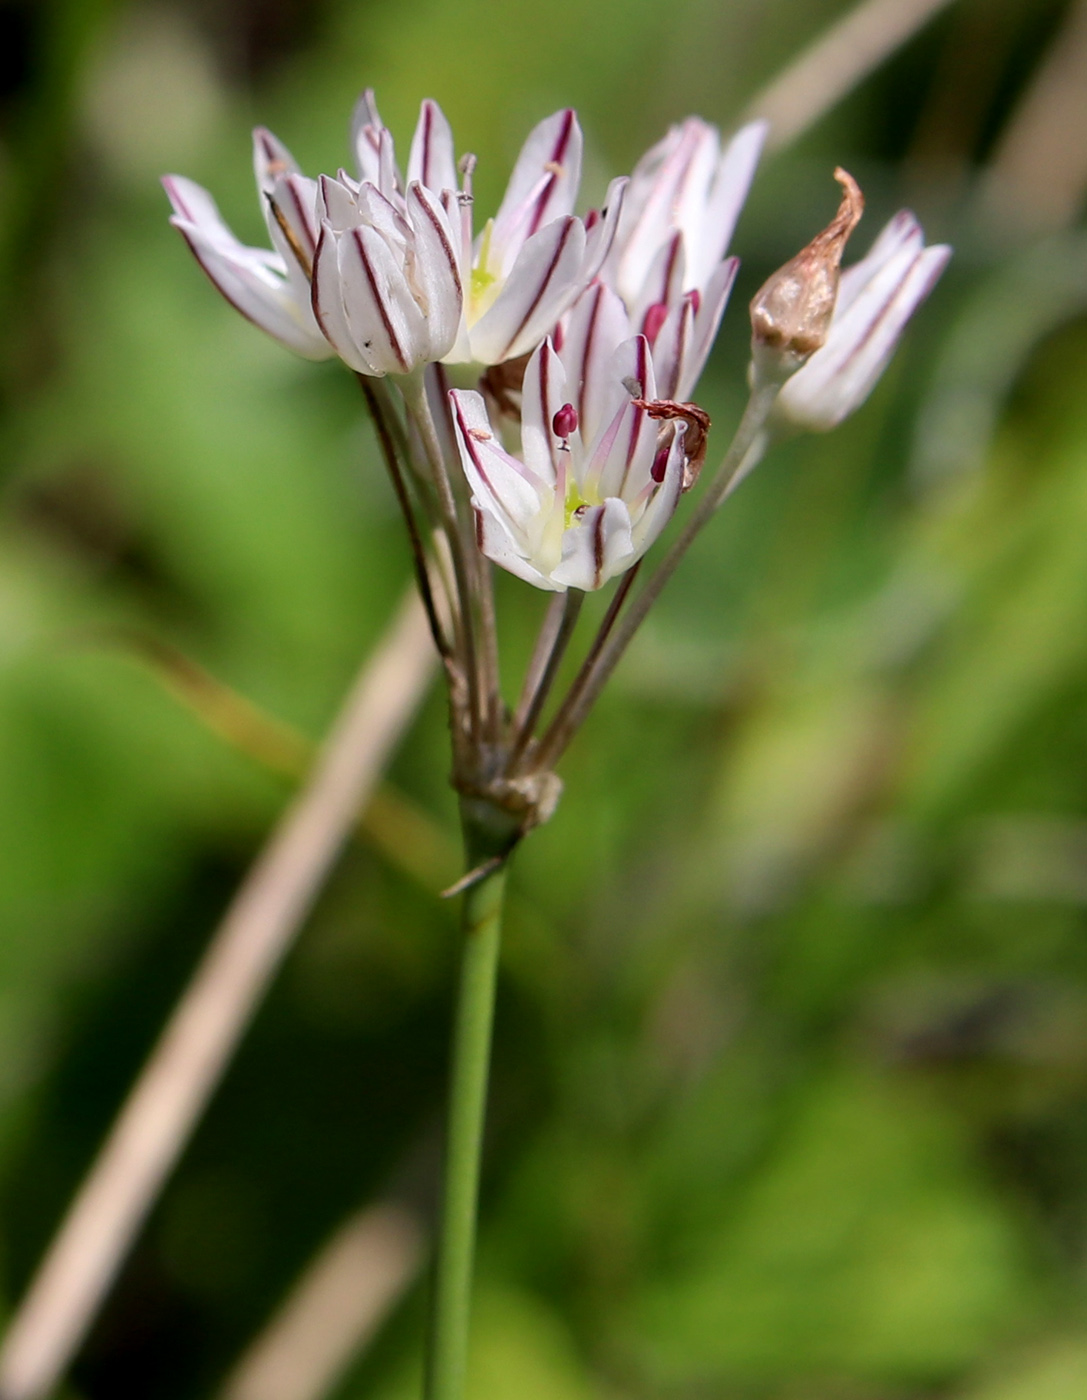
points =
(447, 1348)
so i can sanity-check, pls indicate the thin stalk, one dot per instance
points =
(483, 580)
(415, 397)
(418, 554)
(447, 1343)
(585, 670)
(573, 712)
(571, 609)
(541, 650)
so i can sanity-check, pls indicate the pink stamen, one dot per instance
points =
(565, 421)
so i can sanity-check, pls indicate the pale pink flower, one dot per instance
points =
(594, 485)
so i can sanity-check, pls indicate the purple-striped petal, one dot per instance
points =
(433, 160)
(543, 393)
(710, 230)
(595, 326)
(542, 284)
(436, 269)
(596, 547)
(543, 186)
(253, 280)
(839, 377)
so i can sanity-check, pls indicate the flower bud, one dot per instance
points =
(791, 313)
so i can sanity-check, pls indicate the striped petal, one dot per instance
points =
(432, 160)
(595, 326)
(543, 186)
(839, 377)
(544, 281)
(253, 280)
(596, 547)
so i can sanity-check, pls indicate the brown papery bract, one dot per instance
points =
(791, 312)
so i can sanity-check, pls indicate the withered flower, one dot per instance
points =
(791, 312)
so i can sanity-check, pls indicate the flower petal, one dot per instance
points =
(597, 324)
(432, 160)
(839, 377)
(366, 138)
(436, 269)
(501, 483)
(253, 280)
(596, 547)
(710, 230)
(544, 281)
(328, 307)
(543, 186)
(543, 393)
(386, 322)
(620, 460)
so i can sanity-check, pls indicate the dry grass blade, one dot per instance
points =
(186, 1064)
(833, 66)
(334, 1309)
(1037, 180)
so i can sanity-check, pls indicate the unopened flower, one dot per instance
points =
(386, 284)
(590, 492)
(270, 288)
(791, 312)
(876, 298)
(515, 279)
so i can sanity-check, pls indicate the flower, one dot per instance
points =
(270, 288)
(667, 275)
(876, 298)
(514, 280)
(597, 484)
(684, 199)
(386, 286)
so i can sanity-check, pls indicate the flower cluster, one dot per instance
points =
(567, 437)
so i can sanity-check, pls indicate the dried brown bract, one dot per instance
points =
(790, 314)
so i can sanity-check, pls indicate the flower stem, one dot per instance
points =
(447, 1343)
(749, 438)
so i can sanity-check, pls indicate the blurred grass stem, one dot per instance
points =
(835, 63)
(193, 1050)
(447, 1342)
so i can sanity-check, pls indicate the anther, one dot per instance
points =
(564, 423)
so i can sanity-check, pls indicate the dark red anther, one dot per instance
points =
(565, 421)
(660, 463)
(558, 338)
(694, 296)
(655, 317)
(592, 218)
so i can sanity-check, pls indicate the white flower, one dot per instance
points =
(876, 297)
(530, 261)
(596, 485)
(270, 288)
(667, 275)
(386, 286)
(684, 199)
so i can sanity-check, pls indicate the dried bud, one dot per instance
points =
(790, 315)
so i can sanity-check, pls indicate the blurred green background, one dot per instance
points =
(790, 1083)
